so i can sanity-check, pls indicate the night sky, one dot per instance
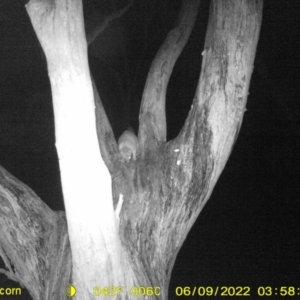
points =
(248, 232)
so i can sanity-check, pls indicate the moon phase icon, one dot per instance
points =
(70, 291)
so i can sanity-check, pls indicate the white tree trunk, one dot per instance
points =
(86, 182)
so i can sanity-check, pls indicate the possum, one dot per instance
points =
(128, 145)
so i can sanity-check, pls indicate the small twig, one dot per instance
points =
(91, 37)
(6, 260)
(10, 275)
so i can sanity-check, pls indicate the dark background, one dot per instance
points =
(248, 232)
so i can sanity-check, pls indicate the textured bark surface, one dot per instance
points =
(97, 257)
(169, 184)
(158, 196)
(34, 241)
(153, 125)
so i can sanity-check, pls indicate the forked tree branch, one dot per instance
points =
(196, 158)
(153, 127)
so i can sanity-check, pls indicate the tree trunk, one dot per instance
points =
(126, 225)
(92, 224)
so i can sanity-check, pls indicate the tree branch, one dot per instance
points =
(101, 27)
(106, 138)
(178, 178)
(34, 241)
(153, 128)
(200, 152)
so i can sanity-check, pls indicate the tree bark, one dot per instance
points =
(34, 241)
(170, 184)
(92, 224)
(153, 126)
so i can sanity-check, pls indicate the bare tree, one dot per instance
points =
(126, 220)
